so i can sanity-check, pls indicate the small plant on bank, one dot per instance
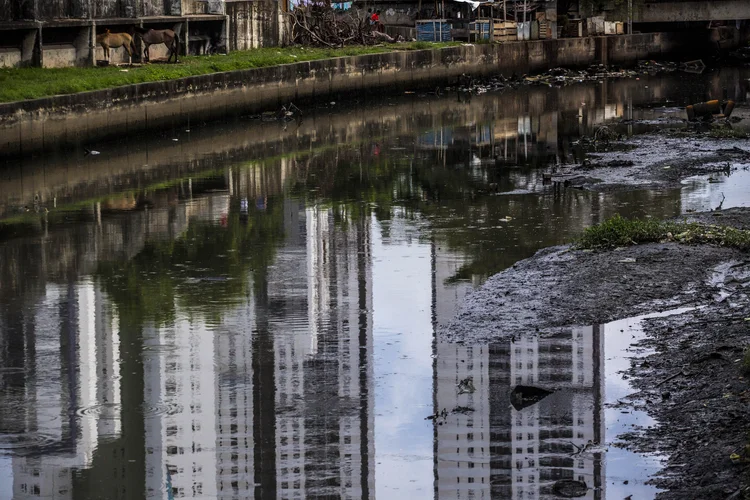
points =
(618, 232)
(746, 362)
(727, 133)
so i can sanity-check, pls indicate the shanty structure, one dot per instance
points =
(466, 19)
(56, 33)
(507, 20)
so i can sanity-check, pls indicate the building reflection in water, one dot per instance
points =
(67, 359)
(274, 399)
(274, 396)
(266, 387)
(486, 448)
(489, 449)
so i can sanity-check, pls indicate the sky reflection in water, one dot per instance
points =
(253, 312)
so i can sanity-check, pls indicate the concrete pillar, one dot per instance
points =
(225, 34)
(92, 44)
(29, 49)
(39, 48)
(185, 38)
(82, 44)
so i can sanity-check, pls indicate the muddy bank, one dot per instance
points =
(660, 159)
(688, 376)
(560, 287)
(693, 384)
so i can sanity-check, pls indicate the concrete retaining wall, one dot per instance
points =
(63, 121)
(664, 11)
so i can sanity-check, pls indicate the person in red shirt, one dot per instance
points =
(375, 21)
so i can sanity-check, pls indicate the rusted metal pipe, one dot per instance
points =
(709, 110)
(728, 108)
(703, 110)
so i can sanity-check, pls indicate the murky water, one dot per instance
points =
(251, 310)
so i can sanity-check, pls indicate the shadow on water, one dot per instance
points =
(251, 311)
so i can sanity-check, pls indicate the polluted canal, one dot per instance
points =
(253, 309)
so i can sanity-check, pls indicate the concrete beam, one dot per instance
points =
(714, 10)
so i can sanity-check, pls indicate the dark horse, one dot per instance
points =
(155, 37)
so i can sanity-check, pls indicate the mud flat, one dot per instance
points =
(687, 370)
(663, 158)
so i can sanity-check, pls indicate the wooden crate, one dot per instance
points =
(480, 30)
(505, 31)
(544, 31)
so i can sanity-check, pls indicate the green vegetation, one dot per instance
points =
(618, 231)
(746, 362)
(18, 84)
(727, 133)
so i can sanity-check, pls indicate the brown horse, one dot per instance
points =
(155, 37)
(114, 41)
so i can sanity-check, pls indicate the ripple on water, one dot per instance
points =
(11, 370)
(26, 442)
(160, 348)
(161, 408)
(113, 411)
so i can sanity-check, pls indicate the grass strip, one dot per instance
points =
(18, 84)
(620, 232)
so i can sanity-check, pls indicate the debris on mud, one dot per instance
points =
(659, 159)
(710, 110)
(437, 416)
(698, 391)
(287, 113)
(689, 368)
(569, 488)
(558, 77)
(466, 386)
(523, 396)
(442, 415)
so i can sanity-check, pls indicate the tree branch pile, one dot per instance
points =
(318, 25)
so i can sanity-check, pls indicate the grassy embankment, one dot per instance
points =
(18, 84)
(620, 232)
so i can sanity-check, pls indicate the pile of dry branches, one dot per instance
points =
(319, 25)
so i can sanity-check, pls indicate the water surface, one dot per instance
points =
(251, 310)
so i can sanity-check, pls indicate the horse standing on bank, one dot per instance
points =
(110, 41)
(154, 37)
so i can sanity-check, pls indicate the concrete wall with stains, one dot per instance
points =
(211, 26)
(49, 10)
(32, 126)
(665, 11)
(254, 24)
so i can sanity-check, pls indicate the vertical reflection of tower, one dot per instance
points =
(463, 467)
(73, 346)
(463, 440)
(292, 344)
(323, 352)
(234, 407)
(537, 458)
(182, 377)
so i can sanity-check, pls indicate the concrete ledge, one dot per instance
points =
(665, 11)
(102, 114)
